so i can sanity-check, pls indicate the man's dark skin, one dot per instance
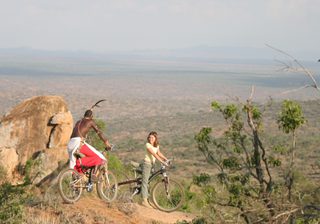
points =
(84, 125)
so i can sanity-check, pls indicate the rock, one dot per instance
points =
(45, 163)
(62, 129)
(34, 125)
(9, 159)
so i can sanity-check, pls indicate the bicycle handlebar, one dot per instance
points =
(168, 162)
(110, 149)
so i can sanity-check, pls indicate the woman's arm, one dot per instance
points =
(150, 150)
(161, 155)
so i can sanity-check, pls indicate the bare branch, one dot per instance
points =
(286, 67)
(285, 213)
(305, 70)
(295, 90)
(251, 95)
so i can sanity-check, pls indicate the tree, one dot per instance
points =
(241, 159)
(244, 161)
(289, 120)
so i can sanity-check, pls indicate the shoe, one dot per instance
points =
(145, 203)
(94, 178)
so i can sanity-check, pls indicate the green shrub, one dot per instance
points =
(12, 199)
(94, 140)
(3, 174)
(200, 220)
(114, 163)
(202, 179)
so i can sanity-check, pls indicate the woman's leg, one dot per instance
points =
(146, 170)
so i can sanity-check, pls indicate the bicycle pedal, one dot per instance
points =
(89, 187)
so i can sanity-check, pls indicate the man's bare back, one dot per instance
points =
(84, 125)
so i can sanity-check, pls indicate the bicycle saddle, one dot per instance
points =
(136, 166)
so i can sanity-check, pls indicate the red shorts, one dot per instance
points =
(90, 159)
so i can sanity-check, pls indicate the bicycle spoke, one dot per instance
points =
(107, 186)
(70, 185)
(168, 197)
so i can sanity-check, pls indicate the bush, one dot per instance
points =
(94, 140)
(12, 199)
(200, 220)
(3, 174)
(202, 179)
(114, 163)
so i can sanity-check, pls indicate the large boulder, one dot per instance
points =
(39, 124)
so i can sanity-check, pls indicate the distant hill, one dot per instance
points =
(218, 54)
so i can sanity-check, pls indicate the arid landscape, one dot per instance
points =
(231, 87)
(172, 97)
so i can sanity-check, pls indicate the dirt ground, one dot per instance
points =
(92, 210)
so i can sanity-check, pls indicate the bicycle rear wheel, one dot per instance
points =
(107, 186)
(125, 188)
(167, 196)
(70, 185)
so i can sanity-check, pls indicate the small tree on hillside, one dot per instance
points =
(244, 165)
(289, 120)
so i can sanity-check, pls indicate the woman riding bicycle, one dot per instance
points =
(152, 153)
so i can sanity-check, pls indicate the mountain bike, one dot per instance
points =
(72, 183)
(167, 194)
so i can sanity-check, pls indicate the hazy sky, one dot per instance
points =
(113, 25)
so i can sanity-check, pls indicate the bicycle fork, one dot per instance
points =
(166, 183)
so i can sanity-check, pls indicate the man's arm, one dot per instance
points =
(100, 133)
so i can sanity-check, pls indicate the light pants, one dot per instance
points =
(146, 171)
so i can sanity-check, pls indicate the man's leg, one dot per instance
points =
(91, 159)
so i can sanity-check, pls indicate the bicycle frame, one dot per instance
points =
(161, 171)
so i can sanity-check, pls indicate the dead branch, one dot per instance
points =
(285, 213)
(304, 69)
(295, 90)
(251, 95)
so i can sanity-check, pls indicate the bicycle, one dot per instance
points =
(167, 194)
(71, 183)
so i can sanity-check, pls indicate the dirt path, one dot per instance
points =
(94, 210)
(163, 217)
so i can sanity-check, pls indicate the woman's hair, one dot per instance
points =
(155, 134)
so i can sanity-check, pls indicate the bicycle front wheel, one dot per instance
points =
(167, 196)
(107, 186)
(70, 185)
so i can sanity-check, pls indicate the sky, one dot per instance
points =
(129, 25)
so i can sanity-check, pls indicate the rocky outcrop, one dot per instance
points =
(40, 124)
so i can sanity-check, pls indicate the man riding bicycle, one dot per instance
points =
(77, 144)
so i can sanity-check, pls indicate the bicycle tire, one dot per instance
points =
(70, 185)
(107, 186)
(124, 190)
(168, 202)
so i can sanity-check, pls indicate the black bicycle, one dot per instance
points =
(167, 194)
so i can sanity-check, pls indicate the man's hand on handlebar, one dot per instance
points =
(108, 146)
